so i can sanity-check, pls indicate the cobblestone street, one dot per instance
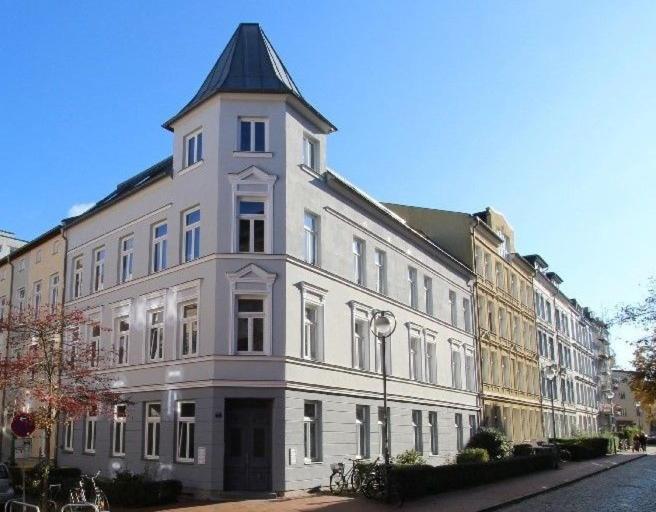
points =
(631, 487)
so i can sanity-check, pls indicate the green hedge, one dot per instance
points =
(520, 450)
(421, 480)
(472, 455)
(583, 448)
(130, 490)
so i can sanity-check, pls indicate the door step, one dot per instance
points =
(245, 495)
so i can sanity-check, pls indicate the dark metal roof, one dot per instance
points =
(249, 63)
(137, 182)
(536, 259)
(555, 278)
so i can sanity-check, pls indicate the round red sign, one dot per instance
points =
(23, 424)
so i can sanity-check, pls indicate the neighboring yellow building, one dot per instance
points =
(32, 275)
(484, 241)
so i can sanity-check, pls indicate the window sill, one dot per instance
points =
(89, 452)
(188, 462)
(312, 462)
(252, 154)
(191, 167)
(314, 172)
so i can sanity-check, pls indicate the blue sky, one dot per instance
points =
(544, 110)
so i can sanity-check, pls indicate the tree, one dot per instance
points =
(643, 314)
(48, 369)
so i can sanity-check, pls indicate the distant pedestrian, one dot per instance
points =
(643, 441)
(636, 444)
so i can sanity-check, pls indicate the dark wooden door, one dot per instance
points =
(247, 445)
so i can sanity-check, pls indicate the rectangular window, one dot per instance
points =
(415, 358)
(358, 261)
(432, 425)
(311, 153)
(381, 271)
(459, 432)
(456, 368)
(186, 432)
(412, 287)
(311, 230)
(250, 324)
(68, 435)
(152, 434)
(488, 267)
(160, 232)
(431, 362)
(36, 296)
(311, 332)
(360, 344)
(21, 300)
(54, 292)
(466, 308)
(127, 256)
(417, 433)
(94, 345)
(251, 225)
(192, 235)
(120, 419)
(428, 295)
(253, 135)
(189, 329)
(312, 431)
(155, 335)
(78, 268)
(454, 308)
(194, 148)
(122, 340)
(98, 269)
(362, 431)
(470, 385)
(90, 432)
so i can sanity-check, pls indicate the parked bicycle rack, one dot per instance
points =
(73, 506)
(26, 506)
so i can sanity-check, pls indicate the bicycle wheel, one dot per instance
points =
(372, 487)
(356, 479)
(337, 483)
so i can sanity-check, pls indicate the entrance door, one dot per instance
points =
(247, 461)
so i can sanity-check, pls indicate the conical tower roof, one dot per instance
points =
(248, 64)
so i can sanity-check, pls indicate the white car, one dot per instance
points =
(6, 490)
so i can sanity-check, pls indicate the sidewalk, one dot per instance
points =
(476, 499)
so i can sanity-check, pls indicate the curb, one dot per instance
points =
(558, 486)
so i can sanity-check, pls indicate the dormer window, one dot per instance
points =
(310, 153)
(253, 136)
(193, 148)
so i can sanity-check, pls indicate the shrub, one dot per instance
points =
(133, 490)
(66, 476)
(471, 455)
(493, 441)
(582, 448)
(521, 450)
(409, 457)
(420, 480)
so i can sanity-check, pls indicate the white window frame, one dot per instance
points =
(36, 295)
(118, 431)
(433, 427)
(456, 365)
(151, 449)
(191, 325)
(155, 333)
(197, 155)
(159, 247)
(428, 295)
(417, 431)
(78, 274)
(466, 307)
(69, 430)
(311, 153)
(192, 232)
(187, 421)
(414, 356)
(99, 255)
(311, 237)
(362, 432)
(122, 340)
(312, 297)
(413, 292)
(53, 292)
(94, 333)
(253, 184)
(360, 343)
(251, 142)
(380, 261)
(470, 370)
(358, 248)
(430, 358)
(91, 421)
(251, 281)
(453, 303)
(311, 440)
(126, 259)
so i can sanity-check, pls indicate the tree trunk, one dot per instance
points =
(45, 478)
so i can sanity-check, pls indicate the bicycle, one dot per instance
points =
(55, 498)
(374, 484)
(340, 480)
(78, 495)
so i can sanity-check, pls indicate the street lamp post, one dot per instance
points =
(382, 325)
(551, 372)
(610, 395)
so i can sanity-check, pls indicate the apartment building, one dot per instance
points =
(627, 410)
(238, 278)
(505, 317)
(9, 242)
(605, 363)
(31, 276)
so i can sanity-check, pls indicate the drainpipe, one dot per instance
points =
(64, 282)
(4, 399)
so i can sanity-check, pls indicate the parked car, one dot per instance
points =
(6, 490)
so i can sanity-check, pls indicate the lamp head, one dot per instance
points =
(382, 323)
